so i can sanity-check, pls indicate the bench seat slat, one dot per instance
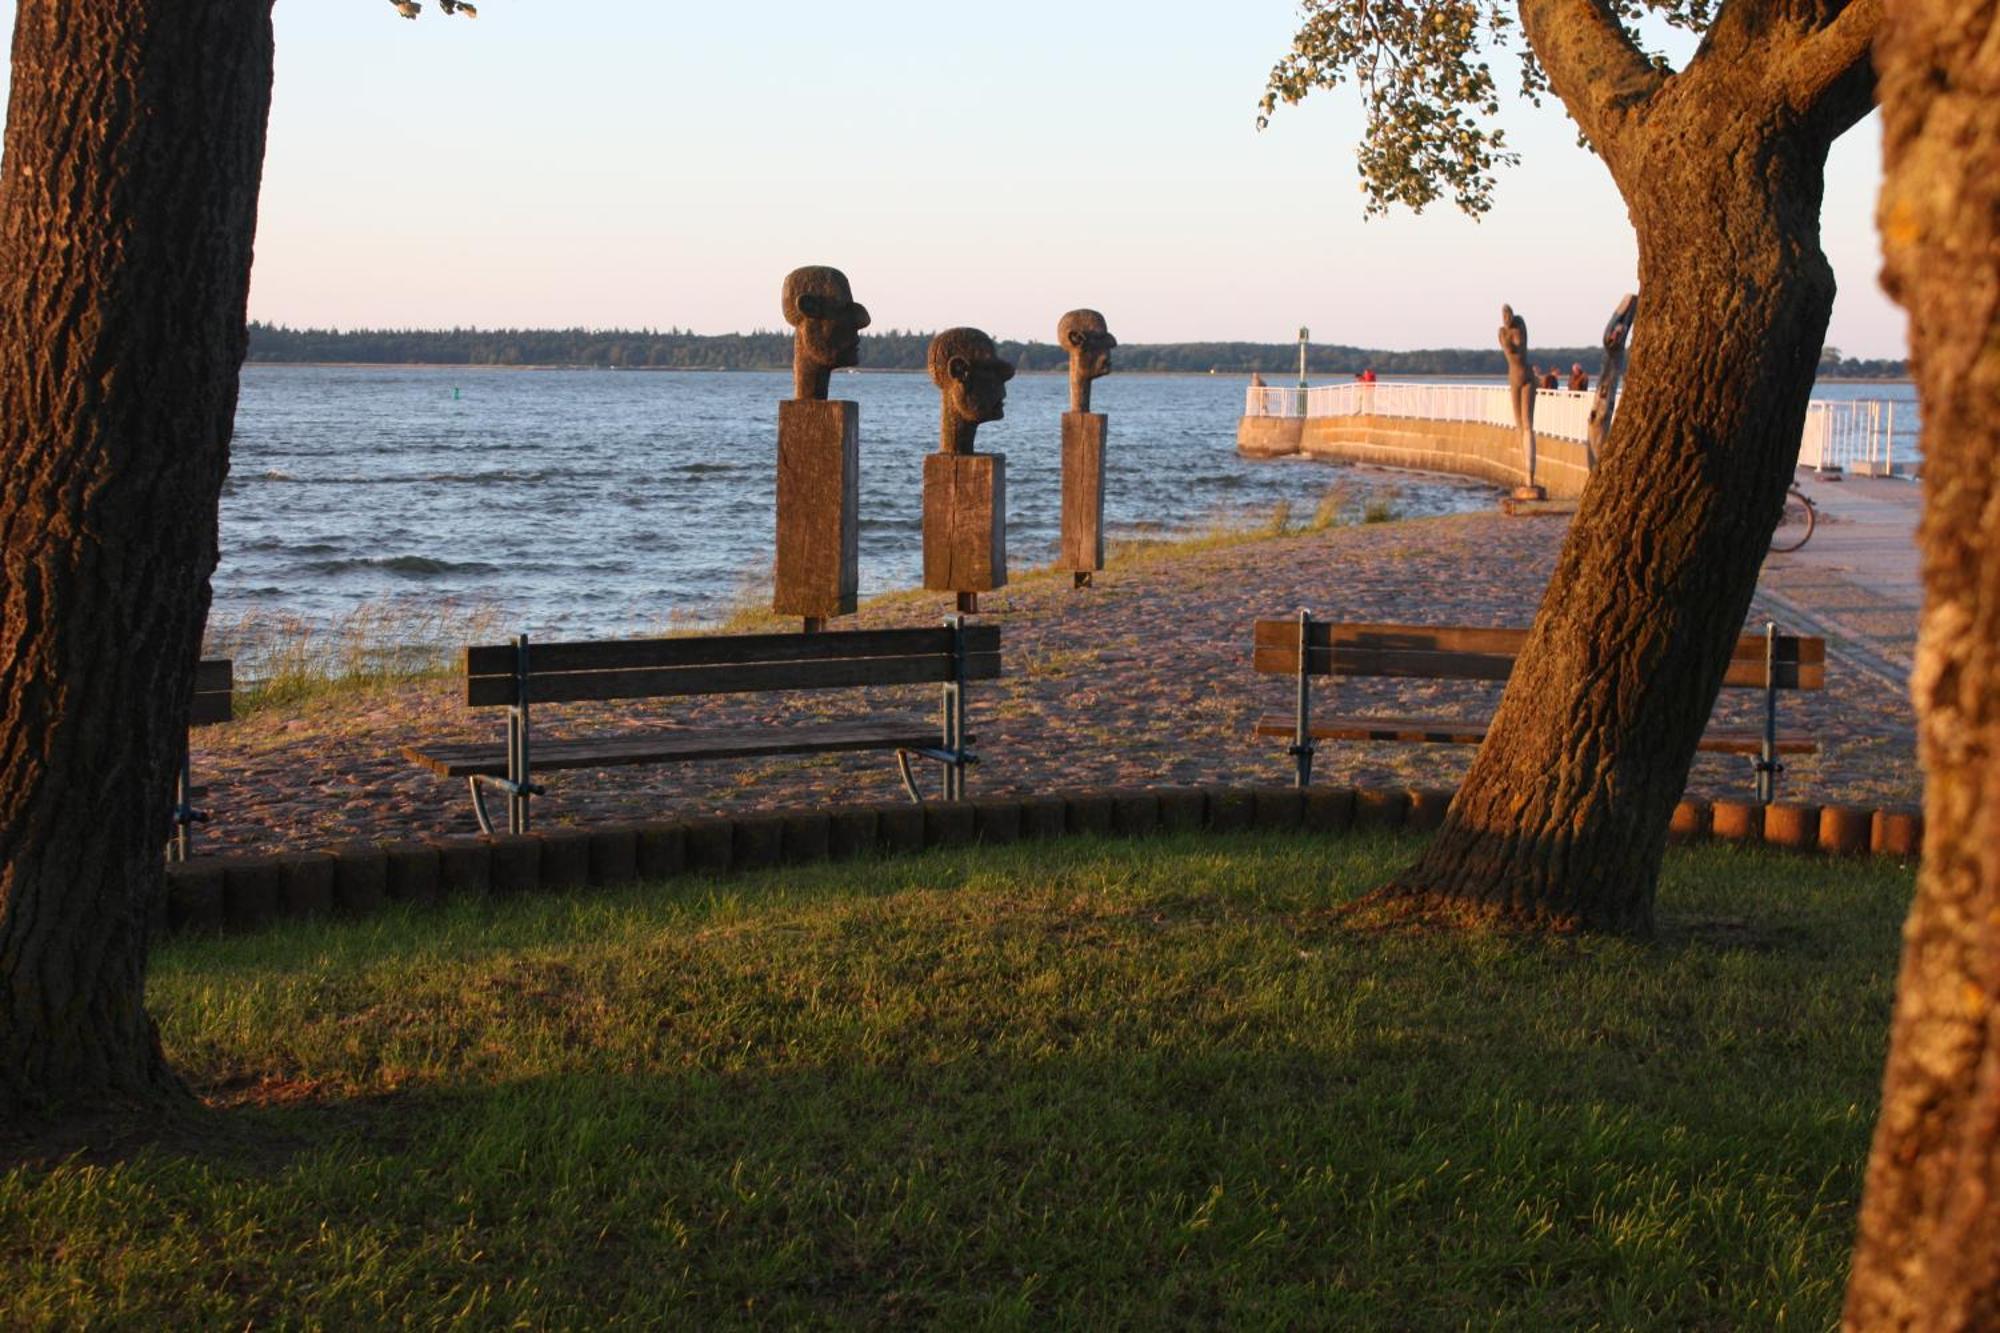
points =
(672, 746)
(1454, 652)
(669, 682)
(208, 709)
(727, 650)
(1450, 731)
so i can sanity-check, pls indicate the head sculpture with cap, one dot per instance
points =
(827, 323)
(972, 377)
(1087, 338)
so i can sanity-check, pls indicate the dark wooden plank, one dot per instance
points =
(1423, 638)
(1456, 652)
(671, 682)
(1405, 663)
(1448, 731)
(1790, 675)
(1417, 730)
(1752, 742)
(726, 649)
(679, 746)
(213, 674)
(208, 709)
(1791, 648)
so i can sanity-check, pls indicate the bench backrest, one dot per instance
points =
(728, 664)
(1458, 652)
(214, 692)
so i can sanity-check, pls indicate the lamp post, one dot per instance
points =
(1305, 335)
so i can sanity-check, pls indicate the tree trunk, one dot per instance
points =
(1563, 816)
(1928, 1251)
(134, 146)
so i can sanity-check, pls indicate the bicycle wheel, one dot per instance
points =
(1795, 525)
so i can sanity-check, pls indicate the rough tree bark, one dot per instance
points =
(134, 144)
(1928, 1251)
(1563, 816)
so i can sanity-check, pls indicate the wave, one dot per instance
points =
(410, 566)
(495, 477)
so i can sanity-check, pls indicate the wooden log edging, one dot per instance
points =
(211, 895)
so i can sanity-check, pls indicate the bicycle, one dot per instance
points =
(1795, 525)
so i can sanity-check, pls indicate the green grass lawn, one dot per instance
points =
(1082, 1084)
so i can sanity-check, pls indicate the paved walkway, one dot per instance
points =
(1143, 680)
(1858, 581)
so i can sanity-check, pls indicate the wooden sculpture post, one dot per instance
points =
(965, 493)
(1615, 334)
(818, 573)
(1084, 335)
(1521, 395)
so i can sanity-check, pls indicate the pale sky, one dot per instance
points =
(637, 163)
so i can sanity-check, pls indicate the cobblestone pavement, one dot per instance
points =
(1144, 679)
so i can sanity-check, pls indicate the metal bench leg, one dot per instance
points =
(909, 777)
(1768, 766)
(1302, 741)
(479, 805)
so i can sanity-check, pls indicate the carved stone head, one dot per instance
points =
(1087, 339)
(828, 321)
(966, 367)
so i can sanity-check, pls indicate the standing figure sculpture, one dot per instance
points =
(1087, 339)
(819, 454)
(1616, 331)
(1520, 390)
(965, 493)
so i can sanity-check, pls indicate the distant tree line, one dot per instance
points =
(896, 349)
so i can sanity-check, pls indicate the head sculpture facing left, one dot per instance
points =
(828, 321)
(1087, 339)
(966, 367)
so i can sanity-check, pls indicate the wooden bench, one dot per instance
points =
(1303, 647)
(214, 701)
(512, 676)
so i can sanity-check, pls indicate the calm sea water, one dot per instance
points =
(597, 502)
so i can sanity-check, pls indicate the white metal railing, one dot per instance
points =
(1857, 436)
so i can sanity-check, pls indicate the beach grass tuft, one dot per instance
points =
(1076, 1084)
(283, 659)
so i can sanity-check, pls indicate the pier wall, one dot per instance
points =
(1464, 448)
(1269, 437)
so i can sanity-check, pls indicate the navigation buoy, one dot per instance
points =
(454, 393)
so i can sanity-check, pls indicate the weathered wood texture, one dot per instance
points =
(1458, 652)
(1928, 1249)
(214, 692)
(965, 522)
(128, 199)
(666, 746)
(727, 664)
(1083, 436)
(818, 570)
(1472, 731)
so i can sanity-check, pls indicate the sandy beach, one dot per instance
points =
(1142, 679)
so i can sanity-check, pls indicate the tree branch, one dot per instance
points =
(1831, 76)
(1592, 63)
